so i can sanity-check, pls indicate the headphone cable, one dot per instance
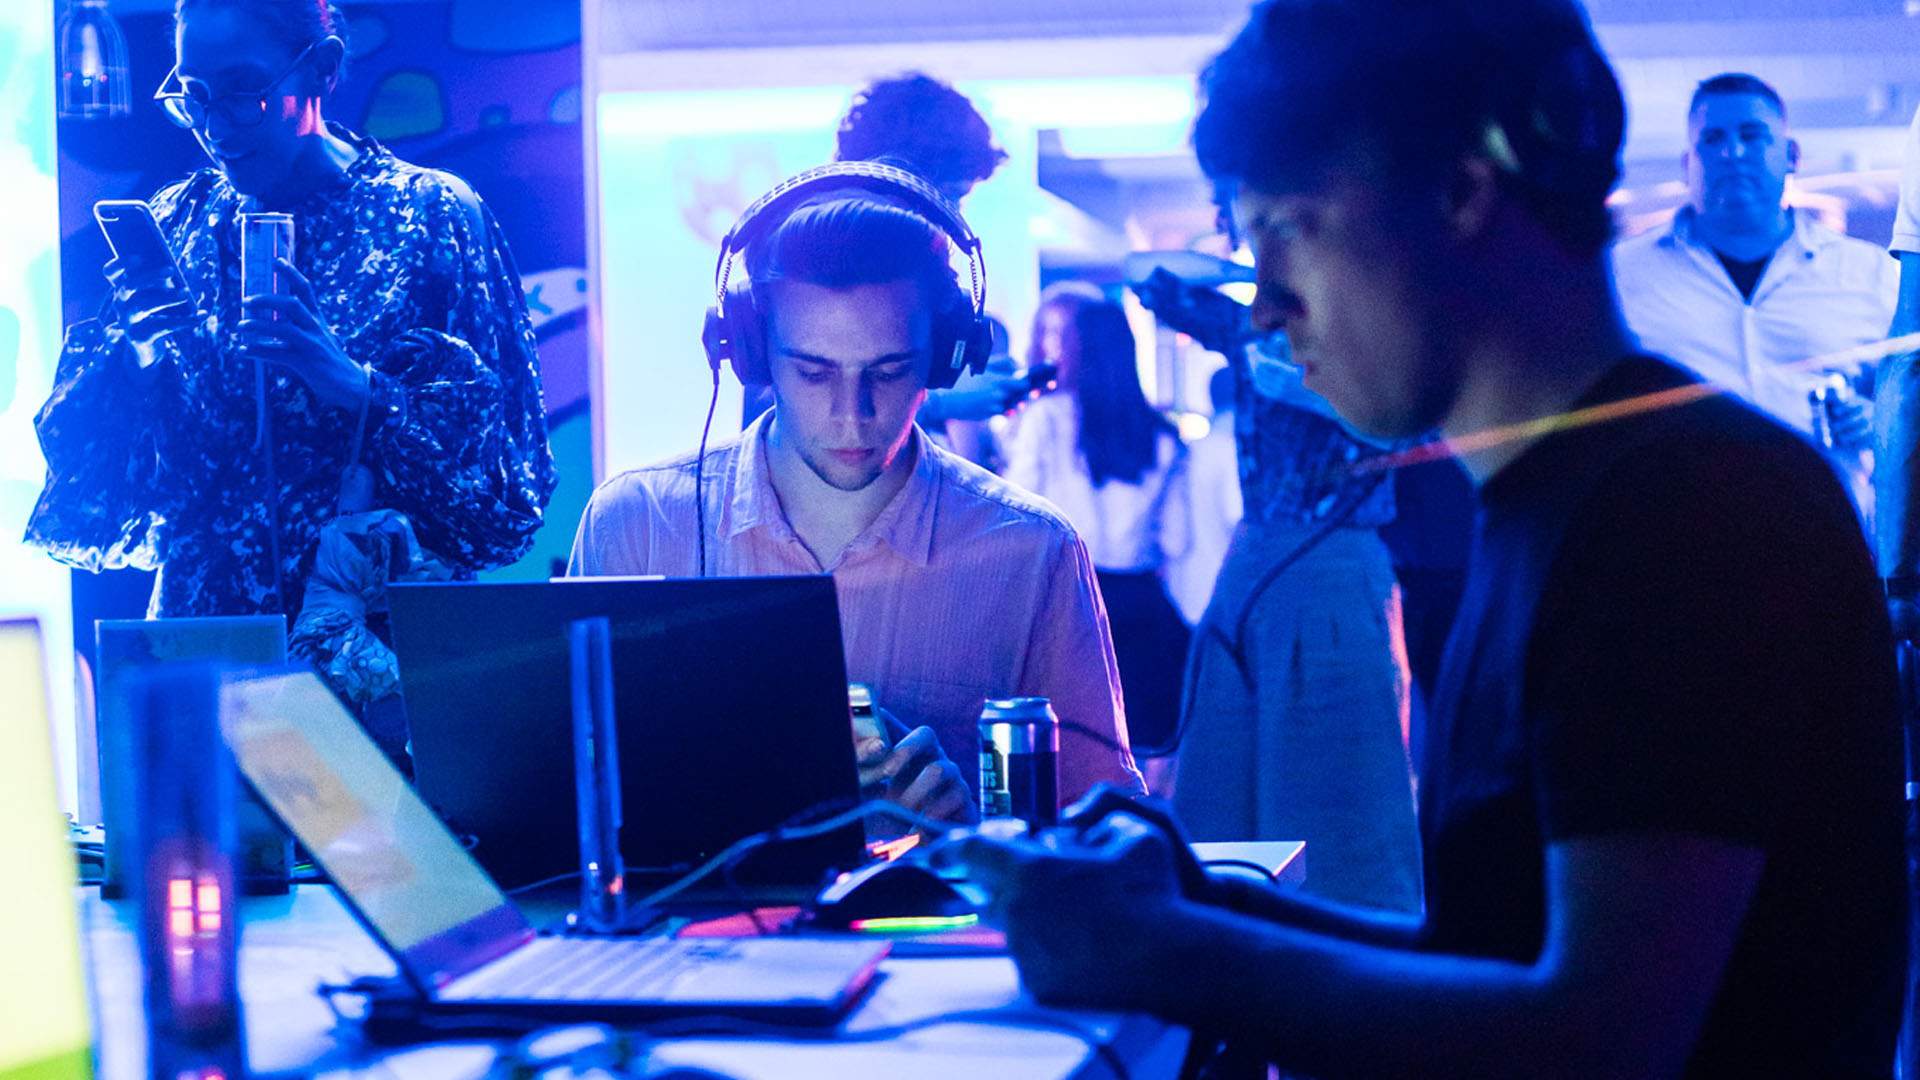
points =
(699, 473)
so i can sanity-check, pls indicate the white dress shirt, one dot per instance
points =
(1822, 293)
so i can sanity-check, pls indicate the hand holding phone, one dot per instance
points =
(150, 298)
(141, 257)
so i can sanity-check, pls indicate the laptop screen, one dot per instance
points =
(44, 1031)
(731, 703)
(400, 868)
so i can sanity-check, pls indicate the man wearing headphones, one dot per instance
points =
(954, 587)
(1660, 805)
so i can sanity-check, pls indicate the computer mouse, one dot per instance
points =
(888, 890)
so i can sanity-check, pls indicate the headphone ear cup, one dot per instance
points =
(738, 337)
(940, 371)
(979, 343)
(958, 327)
(714, 339)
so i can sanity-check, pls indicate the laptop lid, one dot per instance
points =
(731, 699)
(124, 647)
(397, 866)
(44, 1028)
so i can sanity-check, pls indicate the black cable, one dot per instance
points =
(785, 833)
(700, 470)
(1234, 646)
(739, 897)
(799, 827)
(531, 886)
(1333, 524)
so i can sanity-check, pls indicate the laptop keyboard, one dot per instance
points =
(591, 969)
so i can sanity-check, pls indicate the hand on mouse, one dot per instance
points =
(1090, 812)
(1066, 901)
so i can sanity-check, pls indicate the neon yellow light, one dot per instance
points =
(913, 924)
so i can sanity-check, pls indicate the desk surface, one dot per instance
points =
(292, 944)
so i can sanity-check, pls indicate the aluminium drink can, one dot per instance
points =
(1019, 760)
(1830, 392)
(264, 238)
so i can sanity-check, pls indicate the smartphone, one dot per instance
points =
(866, 719)
(137, 243)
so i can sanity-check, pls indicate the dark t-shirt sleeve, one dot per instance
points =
(1696, 605)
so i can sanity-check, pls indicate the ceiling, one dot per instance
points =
(1839, 63)
(630, 25)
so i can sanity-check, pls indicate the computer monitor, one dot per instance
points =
(44, 1028)
(731, 703)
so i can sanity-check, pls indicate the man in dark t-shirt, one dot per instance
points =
(1660, 797)
(1672, 625)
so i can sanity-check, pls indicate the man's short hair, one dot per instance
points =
(845, 239)
(1420, 83)
(933, 129)
(1737, 83)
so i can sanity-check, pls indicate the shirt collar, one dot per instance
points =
(905, 524)
(754, 502)
(1809, 234)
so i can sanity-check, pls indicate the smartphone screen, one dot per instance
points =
(136, 240)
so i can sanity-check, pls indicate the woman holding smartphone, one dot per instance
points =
(211, 436)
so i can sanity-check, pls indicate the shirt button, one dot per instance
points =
(1323, 507)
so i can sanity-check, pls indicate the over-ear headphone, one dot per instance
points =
(735, 331)
(1560, 120)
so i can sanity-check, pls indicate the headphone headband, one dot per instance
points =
(874, 176)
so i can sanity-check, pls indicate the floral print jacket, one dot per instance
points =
(220, 476)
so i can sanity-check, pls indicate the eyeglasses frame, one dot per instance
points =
(183, 118)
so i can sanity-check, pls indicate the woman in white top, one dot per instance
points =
(1117, 469)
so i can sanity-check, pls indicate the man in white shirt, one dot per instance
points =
(1745, 290)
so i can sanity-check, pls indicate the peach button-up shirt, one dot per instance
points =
(964, 588)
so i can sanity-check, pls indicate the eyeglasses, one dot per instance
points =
(190, 111)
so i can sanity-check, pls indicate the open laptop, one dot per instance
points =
(455, 936)
(123, 648)
(731, 702)
(44, 1031)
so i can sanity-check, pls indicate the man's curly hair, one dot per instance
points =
(930, 127)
